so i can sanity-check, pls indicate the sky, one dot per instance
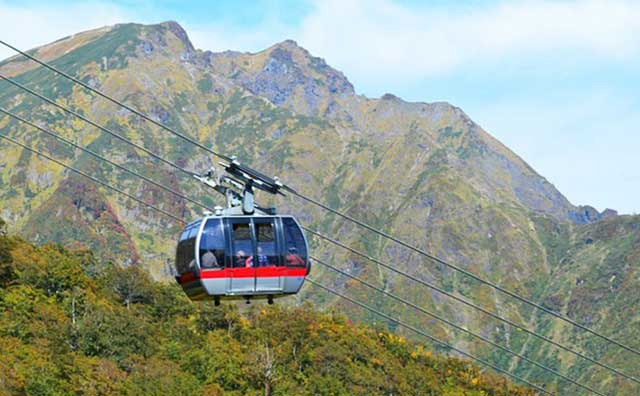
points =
(558, 82)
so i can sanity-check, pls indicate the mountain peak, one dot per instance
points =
(157, 34)
(288, 43)
(290, 46)
(175, 28)
(389, 96)
(286, 74)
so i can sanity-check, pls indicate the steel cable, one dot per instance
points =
(334, 211)
(317, 203)
(458, 327)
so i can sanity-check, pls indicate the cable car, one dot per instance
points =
(244, 251)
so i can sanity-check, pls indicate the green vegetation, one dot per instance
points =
(205, 85)
(63, 332)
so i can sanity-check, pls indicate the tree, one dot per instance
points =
(49, 268)
(222, 317)
(266, 366)
(112, 331)
(7, 271)
(131, 285)
(92, 376)
(158, 377)
(169, 302)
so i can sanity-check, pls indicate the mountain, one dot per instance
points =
(424, 172)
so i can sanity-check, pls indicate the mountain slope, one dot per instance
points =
(424, 172)
(63, 332)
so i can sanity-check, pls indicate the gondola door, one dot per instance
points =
(240, 265)
(268, 263)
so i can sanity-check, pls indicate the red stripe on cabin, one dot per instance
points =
(260, 272)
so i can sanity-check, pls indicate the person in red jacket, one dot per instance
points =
(242, 260)
(293, 259)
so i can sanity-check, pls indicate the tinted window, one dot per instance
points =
(241, 245)
(180, 265)
(186, 254)
(194, 231)
(295, 249)
(212, 245)
(182, 251)
(266, 243)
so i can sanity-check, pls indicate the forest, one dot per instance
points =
(70, 324)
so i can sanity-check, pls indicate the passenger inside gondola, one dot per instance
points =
(293, 259)
(212, 245)
(263, 259)
(209, 260)
(296, 249)
(242, 260)
(242, 245)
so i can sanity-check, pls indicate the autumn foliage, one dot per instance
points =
(117, 332)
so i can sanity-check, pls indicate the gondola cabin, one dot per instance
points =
(242, 256)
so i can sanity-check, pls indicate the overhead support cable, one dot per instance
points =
(464, 272)
(37, 152)
(92, 123)
(339, 213)
(470, 304)
(101, 158)
(433, 339)
(48, 100)
(429, 337)
(337, 243)
(117, 102)
(313, 282)
(71, 168)
(455, 326)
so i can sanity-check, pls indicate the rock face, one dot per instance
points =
(589, 214)
(424, 172)
(287, 75)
